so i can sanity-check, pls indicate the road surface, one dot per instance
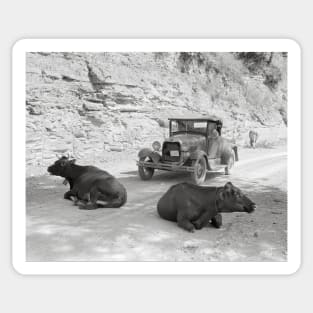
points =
(58, 231)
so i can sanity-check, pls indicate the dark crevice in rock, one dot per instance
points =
(69, 79)
(44, 53)
(34, 111)
(96, 83)
(124, 99)
(49, 76)
(93, 100)
(82, 112)
(34, 108)
(52, 77)
(95, 121)
(130, 110)
(257, 118)
(130, 86)
(283, 113)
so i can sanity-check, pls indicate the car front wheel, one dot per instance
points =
(145, 173)
(200, 168)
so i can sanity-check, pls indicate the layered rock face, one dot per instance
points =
(103, 106)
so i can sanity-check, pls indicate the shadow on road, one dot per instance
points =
(58, 231)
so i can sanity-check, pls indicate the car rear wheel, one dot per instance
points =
(145, 173)
(200, 168)
(230, 164)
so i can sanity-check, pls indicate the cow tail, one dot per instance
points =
(236, 153)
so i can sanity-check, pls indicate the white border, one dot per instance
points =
(150, 45)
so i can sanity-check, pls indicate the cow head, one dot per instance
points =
(231, 199)
(61, 167)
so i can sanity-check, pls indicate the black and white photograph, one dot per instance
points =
(171, 156)
(156, 156)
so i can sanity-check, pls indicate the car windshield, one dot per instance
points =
(189, 126)
(179, 126)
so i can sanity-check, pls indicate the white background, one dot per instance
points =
(201, 19)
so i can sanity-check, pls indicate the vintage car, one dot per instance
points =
(194, 145)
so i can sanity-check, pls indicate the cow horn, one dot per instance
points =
(228, 187)
(58, 156)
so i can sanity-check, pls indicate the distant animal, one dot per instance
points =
(90, 187)
(253, 136)
(193, 207)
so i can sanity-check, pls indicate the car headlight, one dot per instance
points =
(156, 146)
(186, 154)
(184, 148)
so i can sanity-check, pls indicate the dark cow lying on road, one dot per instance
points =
(192, 207)
(253, 136)
(89, 186)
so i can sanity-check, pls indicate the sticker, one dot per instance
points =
(105, 101)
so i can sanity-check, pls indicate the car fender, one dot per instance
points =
(228, 149)
(198, 154)
(153, 155)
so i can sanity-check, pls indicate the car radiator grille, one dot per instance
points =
(171, 152)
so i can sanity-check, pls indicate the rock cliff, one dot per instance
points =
(100, 106)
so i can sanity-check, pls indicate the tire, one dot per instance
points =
(230, 164)
(200, 168)
(145, 173)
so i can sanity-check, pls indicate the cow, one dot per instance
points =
(193, 207)
(90, 186)
(253, 136)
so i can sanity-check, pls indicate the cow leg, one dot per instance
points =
(113, 203)
(81, 199)
(116, 203)
(88, 206)
(80, 202)
(203, 220)
(92, 200)
(184, 223)
(99, 200)
(217, 220)
(112, 196)
(69, 194)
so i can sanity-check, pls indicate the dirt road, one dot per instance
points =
(59, 231)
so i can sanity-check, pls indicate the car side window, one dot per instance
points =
(200, 127)
(174, 126)
(212, 127)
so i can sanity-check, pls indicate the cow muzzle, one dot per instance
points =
(251, 208)
(51, 170)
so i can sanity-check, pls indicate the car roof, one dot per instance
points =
(197, 118)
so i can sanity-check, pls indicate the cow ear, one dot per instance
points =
(228, 186)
